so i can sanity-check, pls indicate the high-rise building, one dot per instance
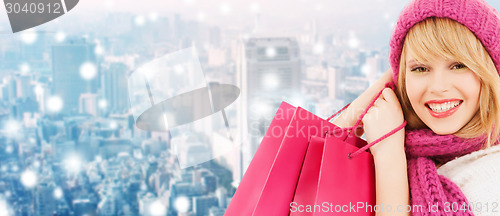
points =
(114, 84)
(24, 89)
(88, 104)
(269, 72)
(12, 90)
(202, 204)
(221, 194)
(67, 62)
(187, 190)
(61, 146)
(214, 211)
(45, 203)
(4, 88)
(112, 147)
(84, 206)
(215, 37)
(210, 182)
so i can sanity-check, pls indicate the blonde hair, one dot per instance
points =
(451, 40)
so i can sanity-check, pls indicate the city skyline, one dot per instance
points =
(91, 158)
(374, 19)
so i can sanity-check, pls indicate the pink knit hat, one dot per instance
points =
(482, 19)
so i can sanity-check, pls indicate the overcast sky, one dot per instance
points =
(286, 17)
(234, 12)
(216, 10)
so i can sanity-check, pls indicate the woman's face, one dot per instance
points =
(444, 93)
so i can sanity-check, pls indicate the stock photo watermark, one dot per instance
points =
(301, 130)
(453, 207)
(26, 14)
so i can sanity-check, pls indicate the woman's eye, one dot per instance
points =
(419, 69)
(459, 66)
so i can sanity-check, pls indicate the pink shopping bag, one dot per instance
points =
(305, 160)
(268, 186)
(338, 174)
(305, 192)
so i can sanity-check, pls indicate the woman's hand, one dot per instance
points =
(352, 113)
(384, 116)
(389, 155)
(391, 178)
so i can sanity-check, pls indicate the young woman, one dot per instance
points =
(445, 58)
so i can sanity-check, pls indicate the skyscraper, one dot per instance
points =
(114, 84)
(269, 72)
(44, 202)
(88, 104)
(67, 62)
(24, 89)
(202, 204)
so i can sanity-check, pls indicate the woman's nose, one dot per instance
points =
(438, 82)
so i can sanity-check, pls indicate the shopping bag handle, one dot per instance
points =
(338, 128)
(387, 85)
(364, 148)
(330, 118)
(358, 122)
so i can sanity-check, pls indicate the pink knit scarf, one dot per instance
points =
(433, 194)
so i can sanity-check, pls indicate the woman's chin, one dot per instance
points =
(444, 131)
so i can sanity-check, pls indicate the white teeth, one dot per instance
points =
(443, 107)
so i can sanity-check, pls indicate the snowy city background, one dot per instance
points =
(69, 144)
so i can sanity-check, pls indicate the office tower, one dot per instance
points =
(23, 86)
(68, 83)
(42, 91)
(373, 66)
(107, 206)
(192, 149)
(45, 203)
(320, 82)
(178, 25)
(4, 88)
(61, 146)
(215, 37)
(11, 90)
(35, 53)
(202, 204)
(88, 104)
(269, 72)
(114, 84)
(221, 194)
(20, 95)
(84, 206)
(214, 211)
(153, 146)
(182, 190)
(112, 147)
(186, 32)
(354, 86)
(210, 183)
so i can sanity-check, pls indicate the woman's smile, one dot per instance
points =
(444, 93)
(443, 108)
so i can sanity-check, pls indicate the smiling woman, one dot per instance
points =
(439, 89)
(445, 61)
(444, 79)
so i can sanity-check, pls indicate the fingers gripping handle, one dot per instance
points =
(364, 148)
(356, 125)
(358, 122)
(387, 85)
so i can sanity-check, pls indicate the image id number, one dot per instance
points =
(33, 8)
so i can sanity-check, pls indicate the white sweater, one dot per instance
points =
(478, 176)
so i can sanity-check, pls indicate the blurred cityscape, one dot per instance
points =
(68, 140)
